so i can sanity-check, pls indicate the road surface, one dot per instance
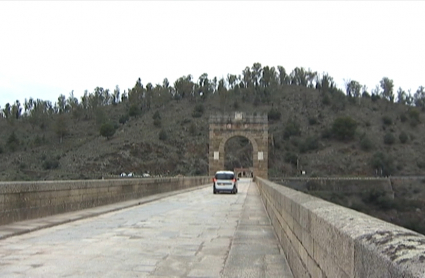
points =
(191, 234)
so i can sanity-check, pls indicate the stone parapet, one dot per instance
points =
(321, 239)
(29, 200)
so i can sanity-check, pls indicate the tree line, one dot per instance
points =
(256, 83)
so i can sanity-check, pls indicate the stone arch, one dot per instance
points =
(231, 135)
(254, 128)
(235, 134)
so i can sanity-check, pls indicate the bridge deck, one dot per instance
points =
(190, 234)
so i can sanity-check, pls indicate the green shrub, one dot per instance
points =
(403, 118)
(326, 133)
(365, 143)
(107, 130)
(420, 163)
(134, 111)
(257, 101)
(192, 129)
(291, 158)
(273, 114)
(403, 137)
(309, 144)
(291, 129)
(375, 97)
(157, 122)
(326, 99)
(312, 121)
(12, 142)
(413, 114)
(156, 116)
(198, 111)
(414, 122)
(162, 135)
(386, 120)
(382, 163)
(123, 119)
(372, 196)
(344, 128)
(389, 139)
(50, 164)
(365, 95)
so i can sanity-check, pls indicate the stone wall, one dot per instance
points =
(28, 200)
(337, 184)
(321, 239)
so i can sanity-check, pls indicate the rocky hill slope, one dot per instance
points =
(171, 137)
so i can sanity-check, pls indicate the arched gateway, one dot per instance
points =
(225, 126)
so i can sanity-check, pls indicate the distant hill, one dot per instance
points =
(163, 129)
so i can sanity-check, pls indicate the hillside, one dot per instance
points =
(68, 144)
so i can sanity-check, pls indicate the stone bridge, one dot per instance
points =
(318, 238)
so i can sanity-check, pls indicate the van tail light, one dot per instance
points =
(234, 180)
(214, 179)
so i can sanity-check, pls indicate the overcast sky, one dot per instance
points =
(54, 47)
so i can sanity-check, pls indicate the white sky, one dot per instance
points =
(54, 47)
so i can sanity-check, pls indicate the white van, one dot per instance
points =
(225, 181)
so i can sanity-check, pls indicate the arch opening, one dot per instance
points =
(238, 153)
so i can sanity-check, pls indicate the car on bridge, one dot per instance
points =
(225, 181)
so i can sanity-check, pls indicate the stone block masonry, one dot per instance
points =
(29, 200)
(321, 239)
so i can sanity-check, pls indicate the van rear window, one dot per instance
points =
(224, 176)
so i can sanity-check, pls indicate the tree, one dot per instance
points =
(12, 142)
(247, 77)
(61, 128)
(283, 77)
(16, 109)
(325, 84)
(353, 88)
(344, 128)
(165, 83)
(134, 110)
(72, 104)
(401, 96)
(387, 88)
(184, 86)
(116, 95)
(256, 74)
(61, 106)
(299, 77)
(382, 163)
(107, 130)
(6, 111)
(231, 80)
(419, 98)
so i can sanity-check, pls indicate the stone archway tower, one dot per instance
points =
(225, 126)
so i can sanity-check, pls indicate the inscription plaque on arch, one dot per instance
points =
(260, 156)
(216, 155)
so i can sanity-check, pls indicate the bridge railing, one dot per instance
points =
(29, 200)
(321, 239)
